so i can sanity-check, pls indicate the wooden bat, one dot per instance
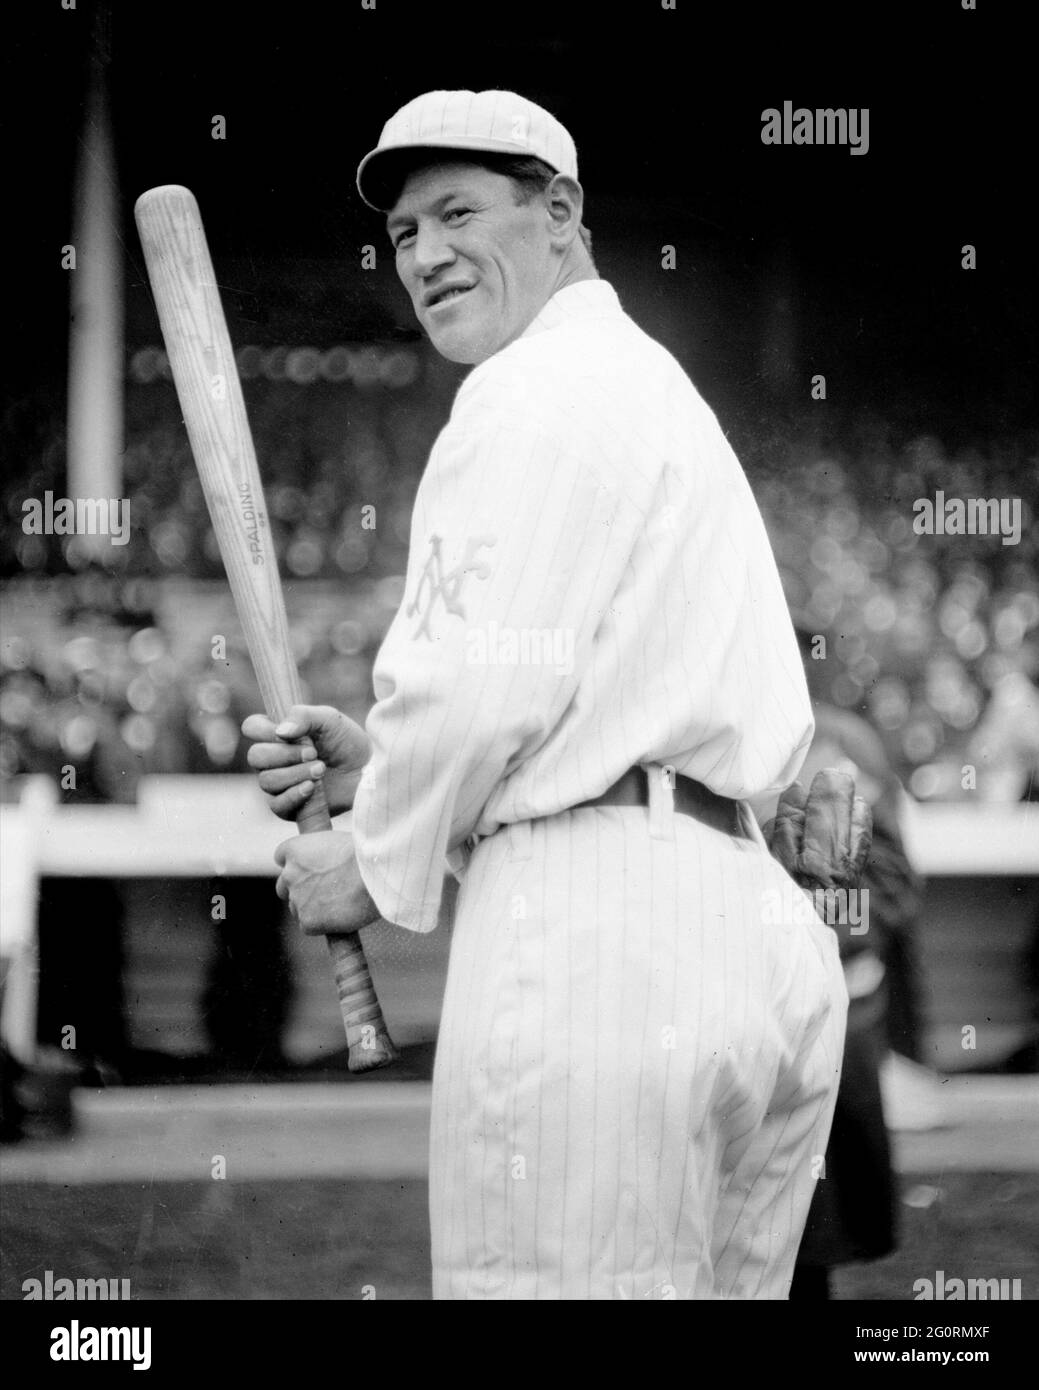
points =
(210, 394)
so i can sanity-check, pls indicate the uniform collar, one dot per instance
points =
(587, 299)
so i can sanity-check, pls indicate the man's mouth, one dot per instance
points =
(444, 295)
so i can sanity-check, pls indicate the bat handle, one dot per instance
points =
(367, 1037)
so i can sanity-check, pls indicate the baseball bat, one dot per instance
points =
(204, 372)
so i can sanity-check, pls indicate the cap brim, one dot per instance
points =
(381, 172)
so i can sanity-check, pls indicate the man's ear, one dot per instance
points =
(564, 199)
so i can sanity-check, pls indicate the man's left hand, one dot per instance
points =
(320, 881)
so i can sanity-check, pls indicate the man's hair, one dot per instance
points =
(529, 176)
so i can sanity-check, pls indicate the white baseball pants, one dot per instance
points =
(636, 1068)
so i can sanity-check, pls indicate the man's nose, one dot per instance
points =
(431, 250)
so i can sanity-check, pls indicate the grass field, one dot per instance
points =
(980, 1225)
(328, 1239)
(308, 1239)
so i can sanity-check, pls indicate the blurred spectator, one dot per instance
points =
(1004, 747)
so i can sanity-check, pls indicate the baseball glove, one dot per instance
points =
(822, 837)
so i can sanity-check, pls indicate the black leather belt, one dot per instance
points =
(691, 799)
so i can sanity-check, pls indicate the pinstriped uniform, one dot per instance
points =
(636, 1064)
(632, 1077)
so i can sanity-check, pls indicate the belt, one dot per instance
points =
(690, 797)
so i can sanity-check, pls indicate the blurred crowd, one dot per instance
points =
(115, 678)
(111, 666)
(933, 638)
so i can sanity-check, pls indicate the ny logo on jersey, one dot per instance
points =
(437, 583)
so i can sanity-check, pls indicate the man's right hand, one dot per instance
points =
(289, 769)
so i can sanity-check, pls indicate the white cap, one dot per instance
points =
(499, 122)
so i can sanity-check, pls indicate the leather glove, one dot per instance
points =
(822, 837)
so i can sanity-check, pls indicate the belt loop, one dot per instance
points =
(520, 840)
(661, 783)
(458, 861)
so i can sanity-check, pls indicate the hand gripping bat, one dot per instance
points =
(210, 394)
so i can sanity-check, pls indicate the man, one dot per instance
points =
(591, 671)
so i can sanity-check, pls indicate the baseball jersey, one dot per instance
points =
(589, 586)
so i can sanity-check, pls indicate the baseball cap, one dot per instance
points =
(495, 121)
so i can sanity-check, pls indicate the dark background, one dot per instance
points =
(666, 111)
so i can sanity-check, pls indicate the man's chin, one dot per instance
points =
(458, 344)
(464, 356)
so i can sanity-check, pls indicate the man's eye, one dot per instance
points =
(402, 237)
(458, 212)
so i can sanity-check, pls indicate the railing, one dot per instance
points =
(219, 826)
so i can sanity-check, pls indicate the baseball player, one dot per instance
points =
(590, 674)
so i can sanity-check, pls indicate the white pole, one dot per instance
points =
(21, 835)
(95, 399)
